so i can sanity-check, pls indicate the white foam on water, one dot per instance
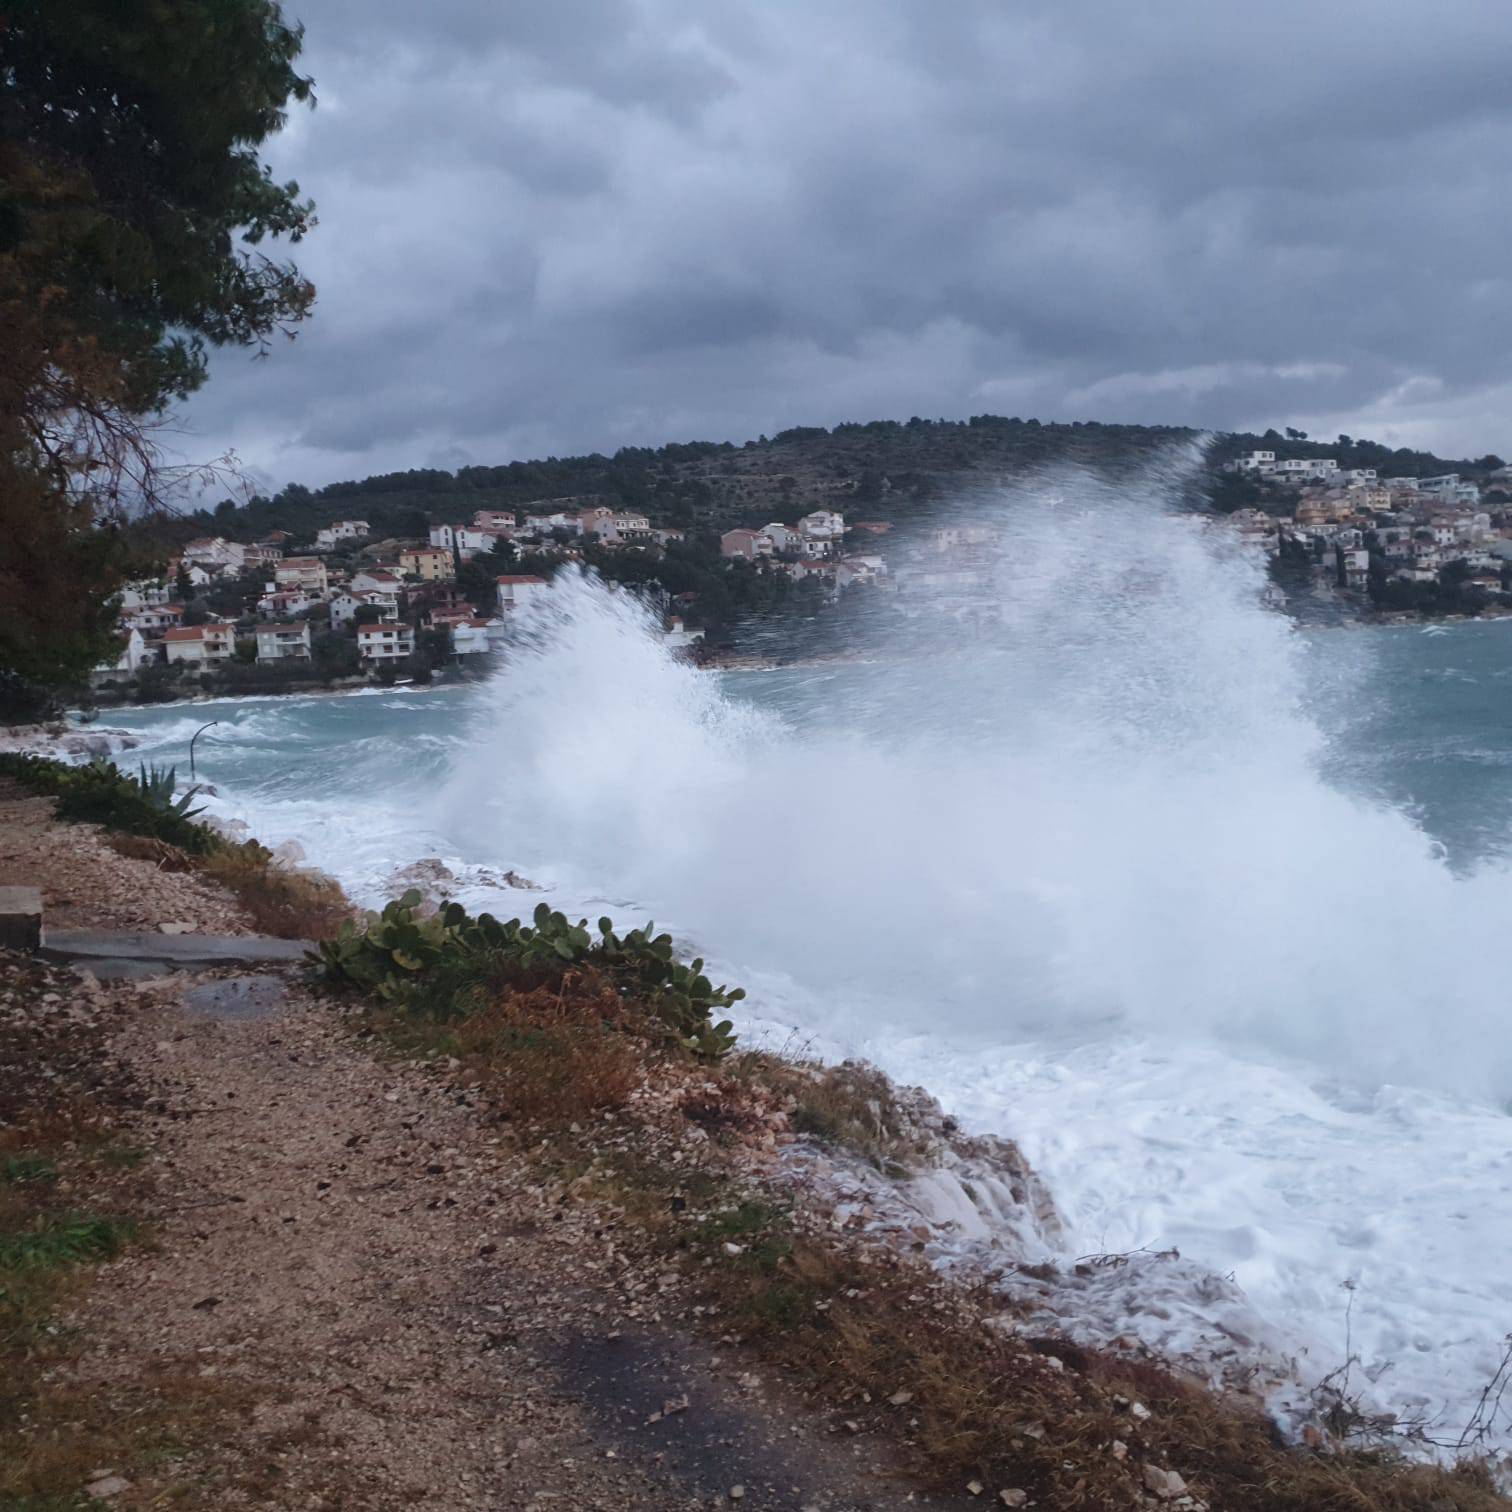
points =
(1077, 873)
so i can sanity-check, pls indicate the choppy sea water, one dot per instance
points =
(1205, 912)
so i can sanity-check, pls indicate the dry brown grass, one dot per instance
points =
(294, 905)
(549, 1053)
(150, 1425)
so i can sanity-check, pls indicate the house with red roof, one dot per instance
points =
(199, 643)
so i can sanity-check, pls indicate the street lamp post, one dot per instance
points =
(195, 737)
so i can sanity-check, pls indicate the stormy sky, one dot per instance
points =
(553, 226)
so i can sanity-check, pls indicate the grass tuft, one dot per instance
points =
(851, 1106)
(57, 1239)
(18, 1168)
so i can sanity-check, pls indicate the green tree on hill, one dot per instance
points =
(133, 210)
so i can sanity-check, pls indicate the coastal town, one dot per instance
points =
(342, 603)
(345, 605)
(1408, 545)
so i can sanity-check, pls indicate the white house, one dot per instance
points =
(822, 525)
(677, 636)
(544, 524)
(376, 580)
(132, 654)
(341, 530)
(517, 592)
(444, 536)
(287, 601)
(1447, 488)
(783, 537)
(152, 619)
(283, 642)
(1311, 469)
(614, 527)
(142, 594)
(199, 643)
(859, 569)
(344, 607)
(473, 539)
(476, 637)
(1255, 461)
(385, 642)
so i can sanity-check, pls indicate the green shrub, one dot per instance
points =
(438, 965)
(100, 793)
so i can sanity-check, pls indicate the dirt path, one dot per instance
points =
(345, 1247)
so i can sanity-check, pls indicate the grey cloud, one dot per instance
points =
(556, 226)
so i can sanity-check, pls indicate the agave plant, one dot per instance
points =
(158, 784)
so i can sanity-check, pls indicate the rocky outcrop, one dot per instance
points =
(438, 884)
(61, 740)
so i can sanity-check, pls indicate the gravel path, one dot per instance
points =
(412, 1320)
(391, 1308)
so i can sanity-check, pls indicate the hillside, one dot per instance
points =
(884, 469)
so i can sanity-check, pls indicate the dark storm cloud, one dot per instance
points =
(555, 226)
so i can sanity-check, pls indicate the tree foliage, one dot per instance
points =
(133, 209)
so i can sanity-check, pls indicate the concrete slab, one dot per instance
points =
(84, 947)
(21, 918)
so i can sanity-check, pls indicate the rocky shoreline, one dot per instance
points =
(62, 740)
(969, 1207)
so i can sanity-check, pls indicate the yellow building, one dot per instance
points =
(432, 564)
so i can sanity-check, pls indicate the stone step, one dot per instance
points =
(103, 950)
(20, 918)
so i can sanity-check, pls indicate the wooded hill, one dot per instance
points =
(884, 469)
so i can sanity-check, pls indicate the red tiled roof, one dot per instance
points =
(184, 633)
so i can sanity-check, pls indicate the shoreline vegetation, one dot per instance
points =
(748, 1200)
